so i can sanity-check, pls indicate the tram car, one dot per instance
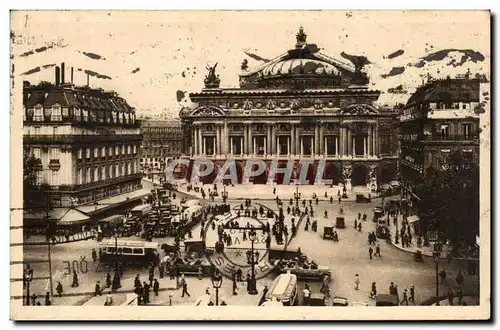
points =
(129, 253)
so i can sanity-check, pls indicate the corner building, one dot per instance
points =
(302, 105)
(86, 141)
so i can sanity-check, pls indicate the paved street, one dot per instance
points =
(345, 258)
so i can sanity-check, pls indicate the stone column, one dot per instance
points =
(231, 145)
(288, 145)
(195, 141)
(268, 140)
(375, 147)
(341, 141)
(217, 141)
(245, 139)
(292, 141)
(316, 140)
(298, 150)
(322, 148)
(365, 146)
(254, 146)
(242, 145)
(250, 150)
(225, 140)
(265, 145)
(301, 146)
(200, 142)
(273, 140)
(349, 142)
(337, 146)
(370, 143)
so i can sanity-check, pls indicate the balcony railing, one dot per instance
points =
(450, 137)
(51, 138)
(97, 184)
(84, 123)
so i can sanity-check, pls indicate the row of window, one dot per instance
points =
(57, 114)
(105, 172)
(112, 151)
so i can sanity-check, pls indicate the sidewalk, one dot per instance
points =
(466, 301)
(285, 192)
(426, 250)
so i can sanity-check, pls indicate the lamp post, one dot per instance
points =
(116, 278)
(217, 283)
(28, 276)
(253, 285)
(224, 194)
(297, 196)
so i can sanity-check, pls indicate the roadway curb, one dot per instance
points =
(429, 255)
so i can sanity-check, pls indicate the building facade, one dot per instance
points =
(302, 105)
(162, 139)
(440, 118)
(86, 141)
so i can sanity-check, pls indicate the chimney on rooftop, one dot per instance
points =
(63, 70)
(58, 75)
(71, 75)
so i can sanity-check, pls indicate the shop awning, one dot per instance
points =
(73, 217)
(113, 201)
(413, 218)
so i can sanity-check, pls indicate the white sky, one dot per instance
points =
(172, 48)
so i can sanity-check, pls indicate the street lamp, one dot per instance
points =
(296, 195)
(217, 283)
(224, 194)
(436, 262)
(28, 276)
(253, 285)
(116, 278)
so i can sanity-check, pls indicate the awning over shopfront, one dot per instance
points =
(110, 202)
(73, 217)
(413, 218)
(61, 216)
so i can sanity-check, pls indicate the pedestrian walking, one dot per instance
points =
(33, 299)
(146, 292)
(377, 250)
(412, 294)
(151, 278)
(306, 294)
(184, 287)
(442, 274)
(137, 281)
(97, 289)
(156, 287)
(356, 282)
(370, 251)
(391, 289)
(47, 298)
(59, 289)
(355, 223)
(373, 292)
(396, 293)
(359, 226)
(94, 255)
(405, 298)
(460, 295)
(75, 280)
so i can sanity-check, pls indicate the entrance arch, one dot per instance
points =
(387, 174)
(359, 176)
(210, 177)
(332, 172)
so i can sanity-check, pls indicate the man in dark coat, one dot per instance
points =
(75, 280)
(146, 292)
(97, 290)
(156, 287)
(137, 282)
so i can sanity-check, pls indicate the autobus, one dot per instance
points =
(284, 289)
(129, 252)
(141, 210)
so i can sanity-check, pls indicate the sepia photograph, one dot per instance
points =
(283, 165)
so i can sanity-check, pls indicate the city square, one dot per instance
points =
(299, 182)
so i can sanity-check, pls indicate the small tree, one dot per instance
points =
(449, 200)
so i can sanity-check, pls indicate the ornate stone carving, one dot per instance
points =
(236, 127)
(208, 112)
(258, 128)
(346, 171)
(373, 172)
(207, 128)
(307, 127)
(359, 109)
(295, 105)
(282, 104)
(331, 127)
(284, 127)
(244, 65)
(270, 105)
(258, 105)
(211, 79)
(247, 105)
(318, 104)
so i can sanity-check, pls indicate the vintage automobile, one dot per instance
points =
(340, 222)
(340, 301)
(378, 212)
(382, 231)
(317, 299)
(305, 273)
(328, 232)
(386, 300)
(362, 199)
(192, 267)
(283, 289)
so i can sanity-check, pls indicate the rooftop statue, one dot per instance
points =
(211, 79)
